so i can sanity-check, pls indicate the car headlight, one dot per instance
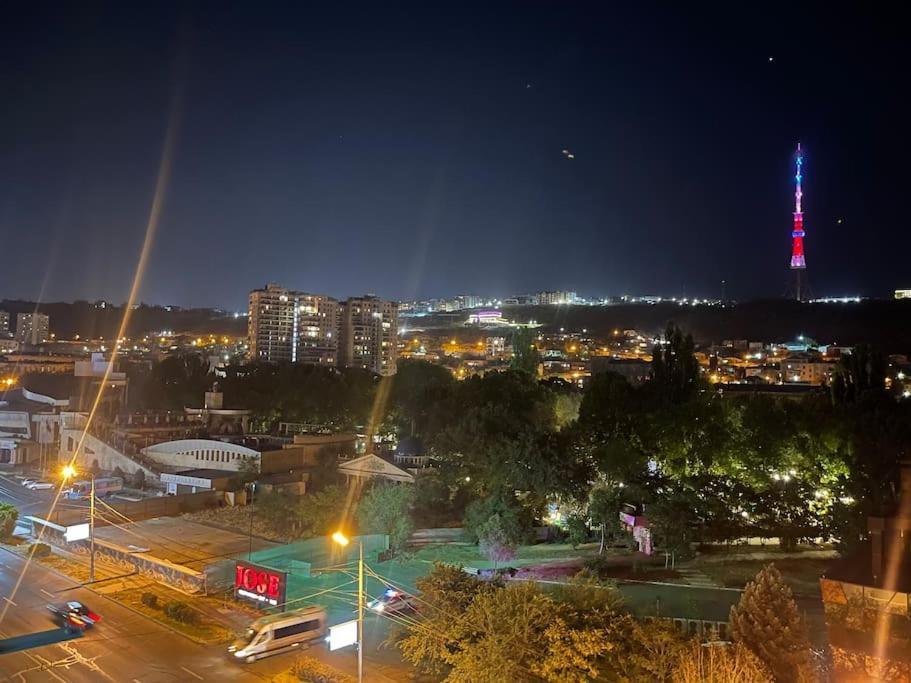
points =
(238, 654)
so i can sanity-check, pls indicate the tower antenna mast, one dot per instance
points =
(798, 262)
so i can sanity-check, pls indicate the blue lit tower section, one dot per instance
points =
(798, 262)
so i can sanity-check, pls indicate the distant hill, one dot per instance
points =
(88, 320)
(882, 323)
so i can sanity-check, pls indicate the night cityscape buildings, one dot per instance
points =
(579, 429)
(290, 326)
(32, 328)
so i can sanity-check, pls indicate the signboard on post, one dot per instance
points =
(77, 532)
(260, 584)
(342, 635)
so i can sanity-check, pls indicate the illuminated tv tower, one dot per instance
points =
(798, 262)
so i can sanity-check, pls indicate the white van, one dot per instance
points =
(280, 633)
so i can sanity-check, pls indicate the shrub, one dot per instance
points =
(312, 670)
(576, 530)
(149, 600)
(40, 549)
(8, 515)
(181, 611)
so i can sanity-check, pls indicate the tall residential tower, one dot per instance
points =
(289, 326)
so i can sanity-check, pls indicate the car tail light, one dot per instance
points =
(94, 617)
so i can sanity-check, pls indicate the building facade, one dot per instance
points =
(295, 327)
(271, 324)
(556, 298)
(317, 330)
(369, 332)
(4, 325)
(32, 328)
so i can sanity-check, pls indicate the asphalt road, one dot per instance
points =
(30, 502)
(124, 646)
(127, 646)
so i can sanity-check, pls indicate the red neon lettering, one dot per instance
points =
(273, 586)
(249, 578)
(261, 579)
(257, 580)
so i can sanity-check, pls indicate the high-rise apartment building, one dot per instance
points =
(271, 324)
(317, 330)
(369, 330)
(32, 328)
(557, 298)
(4, 325)
(289, 326)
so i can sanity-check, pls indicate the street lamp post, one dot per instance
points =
(343, 540)
(252, 497)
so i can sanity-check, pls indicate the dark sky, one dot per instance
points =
(416, 150)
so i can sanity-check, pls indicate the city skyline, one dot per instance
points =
(416, 153)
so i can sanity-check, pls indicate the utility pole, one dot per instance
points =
(92, 533)
(360, 612)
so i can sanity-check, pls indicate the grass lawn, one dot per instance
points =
(75, 570)
(471, 556)
(205, 631)
(801, 574)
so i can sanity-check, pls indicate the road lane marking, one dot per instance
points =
(46, 593)
(194, 675)
(10, 601)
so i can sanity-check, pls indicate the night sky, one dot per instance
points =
(417, 150)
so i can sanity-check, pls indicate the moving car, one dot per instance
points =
(393, 601)
(73, 615)
(280, 633)
(40, 485)
(27, 482)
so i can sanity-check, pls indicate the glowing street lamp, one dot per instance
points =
(339, 538)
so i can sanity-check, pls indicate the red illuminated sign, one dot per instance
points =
(260, 584)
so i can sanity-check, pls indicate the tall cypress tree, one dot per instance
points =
(767, 622)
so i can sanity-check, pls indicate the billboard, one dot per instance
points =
(342, 635)
(260, 584)
(77, 532)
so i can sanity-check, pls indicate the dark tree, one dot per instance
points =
(525, 357)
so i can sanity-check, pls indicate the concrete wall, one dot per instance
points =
(94, 449)
(147, 508)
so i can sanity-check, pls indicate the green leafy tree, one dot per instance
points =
(859, 374)
(420, 398)
(767, 621)
(604, 505)
(279, 512)
(8, 516)
(496, 540)
(673, 521)
(386, 509)
(576, 530)
(514, 520)
(446, 592)
(675, 370)
(525, 356)
(320, 512)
